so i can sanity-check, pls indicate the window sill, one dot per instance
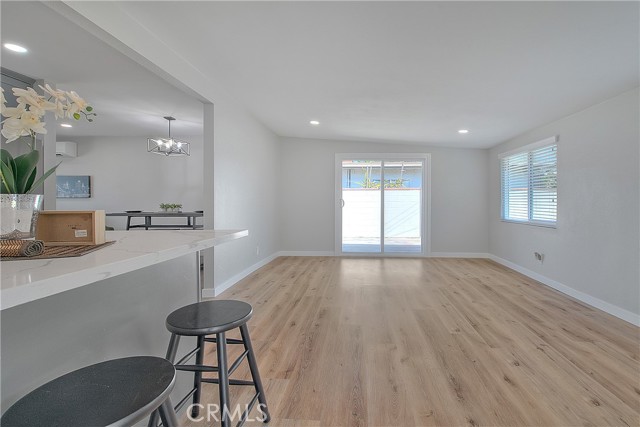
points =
(534, 224)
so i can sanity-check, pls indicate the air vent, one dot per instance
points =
(66, 149)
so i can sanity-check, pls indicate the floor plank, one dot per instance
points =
(431, 342)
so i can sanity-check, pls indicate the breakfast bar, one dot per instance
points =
(62, 314)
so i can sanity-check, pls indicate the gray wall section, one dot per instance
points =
(117, 317)
(459, 189)
(594, 249)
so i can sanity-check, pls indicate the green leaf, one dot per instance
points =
(3, 186)
(29, 185)
(76, 116)
(25, 165)
(42, 178)
(8, 160)
(89, 108)
(8, 180)
(7, 172)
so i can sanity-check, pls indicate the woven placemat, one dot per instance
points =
(61, 252)
(21, 247)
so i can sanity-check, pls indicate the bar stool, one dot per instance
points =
(215, 318)
(117, 392)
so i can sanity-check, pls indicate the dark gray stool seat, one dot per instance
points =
(215, 318)
(209, 317)
(118, 392)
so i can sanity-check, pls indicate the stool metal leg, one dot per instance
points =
(197, 378)
(171, 357)
(168, 415)
(172, 350)
(255, 374)
(223, 378)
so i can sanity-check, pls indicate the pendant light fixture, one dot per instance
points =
(168, 146)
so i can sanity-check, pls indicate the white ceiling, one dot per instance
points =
(375, 71)
(405, 71)
(129, 100)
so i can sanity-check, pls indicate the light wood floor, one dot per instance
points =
(422, 342)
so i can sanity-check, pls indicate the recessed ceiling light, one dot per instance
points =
(314, 122)
(463, 131)
(66, 125)
(15, 48)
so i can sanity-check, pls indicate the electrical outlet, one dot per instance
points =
(539, 256)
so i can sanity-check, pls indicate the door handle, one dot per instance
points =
(342, 203)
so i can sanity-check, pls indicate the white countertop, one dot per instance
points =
(29, 280)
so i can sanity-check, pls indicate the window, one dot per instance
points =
(529, 184)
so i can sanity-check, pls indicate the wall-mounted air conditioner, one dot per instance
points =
(66, 149)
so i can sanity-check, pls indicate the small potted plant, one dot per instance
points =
(171, 207)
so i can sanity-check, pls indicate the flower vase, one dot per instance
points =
(19, 215)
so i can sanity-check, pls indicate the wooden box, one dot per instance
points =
(57, 228)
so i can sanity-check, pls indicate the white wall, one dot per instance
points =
(595, 248)
(246, 163)
(245, 155)
(459, 194)
(124, 176)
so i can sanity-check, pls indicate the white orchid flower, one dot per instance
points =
(13, 129)
(72, 109)
(41, 109)
(10, 135)
(80, 103)
(29, 91)
(31, 121)
(26, 119)
(26, 96)
(61, 110)
(37, 103)
(14, 112)
(58, 95)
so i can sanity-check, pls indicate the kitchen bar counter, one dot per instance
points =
(30, 280)
(59, 315)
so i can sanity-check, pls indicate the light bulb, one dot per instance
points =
(15, 48)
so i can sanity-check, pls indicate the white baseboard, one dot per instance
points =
(306, 253)
(214, 292)
(458, 255)
(614, 310)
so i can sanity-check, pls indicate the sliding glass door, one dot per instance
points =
(403, 206)
(361, 201)
(381, 204)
